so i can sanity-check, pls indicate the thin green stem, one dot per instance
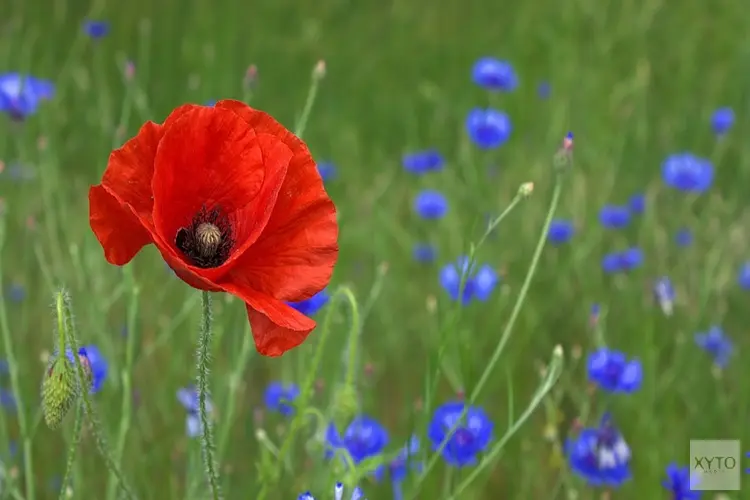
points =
(15, 381)
(554, 370)
(126, 375)
(496, 222)
(77, 427)
(84, 384)
(234, 382)
(312, 93)
(307, 386)
(207, 437)
(505, 336)
(522, 294)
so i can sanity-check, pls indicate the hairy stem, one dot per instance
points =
(84, 384)
(207, 436)
(77, 427)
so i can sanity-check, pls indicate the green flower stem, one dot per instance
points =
(207, 436)
(76, 438)
(312, 93)
(63, 307)
(15, 381)
(553, 374)
(505, 336)
(307, 386)
(234, 382)
(522, 294)
(126, 375)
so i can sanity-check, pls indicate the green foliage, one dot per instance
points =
(635, 81)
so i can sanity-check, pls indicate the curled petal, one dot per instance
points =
(119, 231)
(293, 258)
(276, 327)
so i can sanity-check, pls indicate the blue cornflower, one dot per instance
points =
(99, 367)
(613, 372)
(614, 216)
(96, 29)
(310, 306)
(687, 172)
(743, 276)
(560, 231)
(7, 400)
(594, 312)
(279, 396)
(430, 204)
(421, 162)
(544, 90)
(722, 120)
(365, 437)
(338, 493)
(637, 203)
(188, 397)
(478, 284)
(19, 172)
(15, 292)
(399, 466)
(424, 252)
(664, 294)
(717, 344)
(600, 455)
(680, 484)
(683, 237)
(622, 261)
(494, 74)
(210, 103)
(472, 434)
(20, 95)
(488, 128)
(327, 171)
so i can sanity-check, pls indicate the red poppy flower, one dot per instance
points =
(234, 203)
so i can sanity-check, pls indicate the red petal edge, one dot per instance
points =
(118, 230)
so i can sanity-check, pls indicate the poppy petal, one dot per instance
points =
(262, 122)
(276, 326)
(210, 157)
(294, 257)
(118, 230)
(130, 168)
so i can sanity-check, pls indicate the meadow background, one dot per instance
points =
(635, 82)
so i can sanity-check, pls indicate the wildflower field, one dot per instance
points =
(532, 285)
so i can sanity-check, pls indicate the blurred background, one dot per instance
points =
(635, 82)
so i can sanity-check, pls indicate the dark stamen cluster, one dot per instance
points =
(208, 240)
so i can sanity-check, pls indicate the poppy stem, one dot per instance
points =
(207, 435)
(76, 438)
(65, 314)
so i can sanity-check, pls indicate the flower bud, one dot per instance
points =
(59, 390)
(526, 189)
(345, 405)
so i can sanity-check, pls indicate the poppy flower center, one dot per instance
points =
(208, 240)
